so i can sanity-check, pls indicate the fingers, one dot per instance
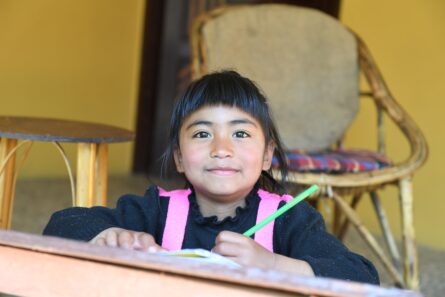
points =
(147, 243)
(227, 249)
(228, 236)
(243, 250)
(100, 238)
(230, 244)
(100, 241)
(232, 239)
(111, 238)
(139, 241)
(127, 239)
(115, 237)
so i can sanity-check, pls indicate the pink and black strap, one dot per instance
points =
(178, 209)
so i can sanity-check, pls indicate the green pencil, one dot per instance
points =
(306, 193)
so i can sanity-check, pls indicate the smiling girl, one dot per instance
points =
(222, 139)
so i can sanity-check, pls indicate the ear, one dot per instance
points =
(178, 160)
(268, 155)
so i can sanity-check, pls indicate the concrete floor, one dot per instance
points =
(37, 199)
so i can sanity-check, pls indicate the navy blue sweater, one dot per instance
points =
(300, 233)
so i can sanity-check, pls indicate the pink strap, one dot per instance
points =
(178, 209)
(268, 204)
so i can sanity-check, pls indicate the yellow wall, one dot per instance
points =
(71, 60)
(407, 39)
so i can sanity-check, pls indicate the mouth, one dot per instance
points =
(223, 171)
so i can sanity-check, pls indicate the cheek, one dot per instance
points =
(253, 156)
(192, 156)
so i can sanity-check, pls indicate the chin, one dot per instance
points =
(226, 194)
(219, 193)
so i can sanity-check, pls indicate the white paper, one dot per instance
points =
(201, 255)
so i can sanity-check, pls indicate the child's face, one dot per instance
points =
(222, 151)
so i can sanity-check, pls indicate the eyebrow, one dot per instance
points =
(232, 123)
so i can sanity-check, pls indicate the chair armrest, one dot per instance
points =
(384, 99)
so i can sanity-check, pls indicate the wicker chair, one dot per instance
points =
(308, 65)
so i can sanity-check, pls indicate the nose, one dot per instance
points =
(222, 147)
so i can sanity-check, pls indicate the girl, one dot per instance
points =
(223, 140)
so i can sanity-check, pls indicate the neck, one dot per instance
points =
(219, 209)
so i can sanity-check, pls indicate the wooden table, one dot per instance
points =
(33, 265)
(92, 156)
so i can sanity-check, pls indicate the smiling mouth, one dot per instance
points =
(223, 171)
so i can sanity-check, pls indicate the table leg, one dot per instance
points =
(6, 181)
(100, 197)
(92, 166)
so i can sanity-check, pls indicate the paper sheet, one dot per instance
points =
(202, 255)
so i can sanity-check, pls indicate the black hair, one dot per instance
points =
(228, 88)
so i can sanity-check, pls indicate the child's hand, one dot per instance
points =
(243, 250)
(127, 239)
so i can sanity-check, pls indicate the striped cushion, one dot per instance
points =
(334, 161)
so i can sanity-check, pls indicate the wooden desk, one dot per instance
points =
(33, 265)
(92, 156)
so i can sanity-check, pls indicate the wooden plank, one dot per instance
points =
(29, 273)
(48, 266)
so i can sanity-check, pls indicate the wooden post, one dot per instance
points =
(92, 166)
(410, 263)
(85, 174)
(6, 181)
(384, 225)
(344, 227)
(100, 193)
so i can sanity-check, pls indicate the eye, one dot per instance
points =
(241, 134)
(201, 134)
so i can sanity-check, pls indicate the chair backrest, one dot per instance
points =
(305, 62)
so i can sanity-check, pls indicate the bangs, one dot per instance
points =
(227, 90)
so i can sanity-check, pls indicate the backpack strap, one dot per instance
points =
(178, 209)
(177, 213)
(268, 204)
